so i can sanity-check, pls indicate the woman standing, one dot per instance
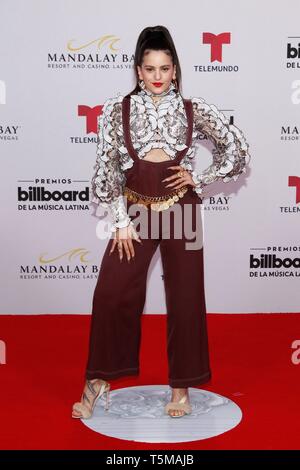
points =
(146, 140)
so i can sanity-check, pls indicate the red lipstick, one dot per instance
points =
(157, 84)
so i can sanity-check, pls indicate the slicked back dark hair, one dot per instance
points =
(155, 38)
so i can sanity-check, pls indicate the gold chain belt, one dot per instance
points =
(157, 203)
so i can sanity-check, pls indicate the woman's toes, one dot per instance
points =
(176, 412)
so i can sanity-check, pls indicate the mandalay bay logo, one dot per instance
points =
(72, 264)
(100, 53)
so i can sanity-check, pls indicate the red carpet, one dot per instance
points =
(250, 359)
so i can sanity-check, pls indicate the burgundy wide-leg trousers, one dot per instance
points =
(119, 298)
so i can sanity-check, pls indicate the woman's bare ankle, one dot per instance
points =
(178, 393)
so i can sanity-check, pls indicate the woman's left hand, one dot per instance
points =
(181, 178)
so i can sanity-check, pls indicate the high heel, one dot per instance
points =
(85, 411)
(178, 405)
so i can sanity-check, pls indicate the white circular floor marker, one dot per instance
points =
(137, 414)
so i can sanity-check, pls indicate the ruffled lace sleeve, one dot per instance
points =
(231, 149)
(108, 180)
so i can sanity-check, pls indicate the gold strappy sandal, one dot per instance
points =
(85, 411)
(180, 405)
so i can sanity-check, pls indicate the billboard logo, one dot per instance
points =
(293, 52)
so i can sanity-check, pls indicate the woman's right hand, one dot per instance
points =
(123, 239)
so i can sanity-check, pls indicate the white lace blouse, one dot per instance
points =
(161, 125)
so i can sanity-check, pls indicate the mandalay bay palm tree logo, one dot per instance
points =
(108, 41)
(76, 253)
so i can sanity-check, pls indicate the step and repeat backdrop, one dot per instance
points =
(60, 61)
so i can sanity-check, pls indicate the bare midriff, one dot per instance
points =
(156, 155)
